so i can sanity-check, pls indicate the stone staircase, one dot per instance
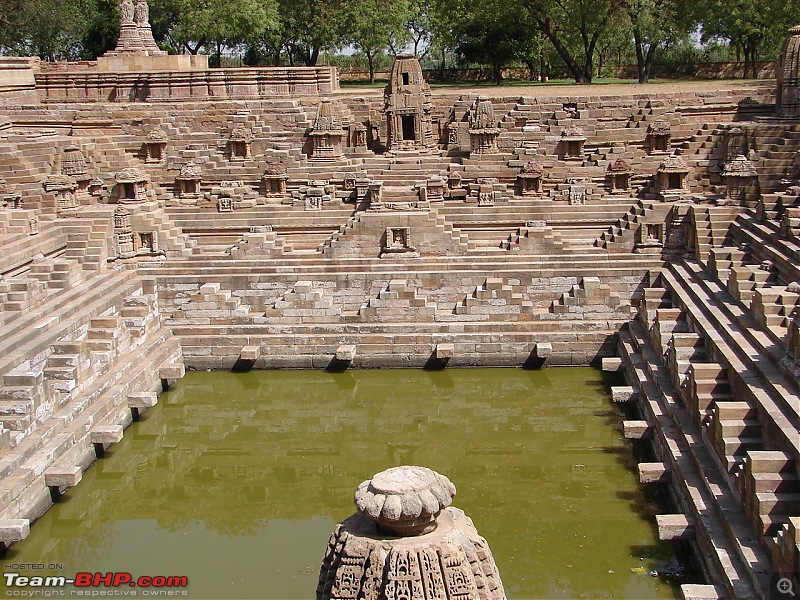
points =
(398, 302)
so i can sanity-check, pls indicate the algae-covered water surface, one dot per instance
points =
(235, 481)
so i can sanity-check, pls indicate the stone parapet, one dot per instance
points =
(129, 79)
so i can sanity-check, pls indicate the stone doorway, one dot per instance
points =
(409, 131)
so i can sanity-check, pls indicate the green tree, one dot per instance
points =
(312, 26)
(493, 32)
(50, 29)
(374, 24)
(656, 24)
(574, 28)
(749, 26)
(192, 24)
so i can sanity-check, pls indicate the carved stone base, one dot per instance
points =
(452, 562)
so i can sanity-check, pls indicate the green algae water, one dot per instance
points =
(236, 481)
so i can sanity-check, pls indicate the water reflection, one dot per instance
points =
(236, 480)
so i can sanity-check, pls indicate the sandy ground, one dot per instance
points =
(576, 90)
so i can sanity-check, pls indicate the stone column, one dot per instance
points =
(129, 38)
(145, 31)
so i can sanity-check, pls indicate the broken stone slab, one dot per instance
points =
(612, 364)
(346, 352)
(61, 478)
(250, 352)
(654, 472)
(674, 527)
(624, 393)
(636, 430)
(444, 351)
(695, 591)
(13, 530)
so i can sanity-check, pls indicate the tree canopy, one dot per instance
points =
(577, 38)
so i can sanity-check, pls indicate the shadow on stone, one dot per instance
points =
(435, 364)
(337, 365)
(242, 365)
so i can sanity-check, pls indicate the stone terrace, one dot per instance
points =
(652, 232)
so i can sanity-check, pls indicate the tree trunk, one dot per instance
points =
(577, 73)
(442, 66)
(497, 72)
(648, 61)
(371, 62)
(640, 61)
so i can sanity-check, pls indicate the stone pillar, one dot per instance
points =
(129, 38)
(145, 31)
(404, 537)
(123, 233)
(788, 96)
(483, 129)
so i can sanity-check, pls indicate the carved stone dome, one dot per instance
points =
(405, 500)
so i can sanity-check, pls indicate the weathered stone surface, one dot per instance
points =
(62, 477)
(448, 561)
(674, 527)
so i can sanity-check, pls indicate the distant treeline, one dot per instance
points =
(577, 39)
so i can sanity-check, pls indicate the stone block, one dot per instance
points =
(14, 530)
(107, 435)
(623, 393)
(612, 364)
(695, 591)
(444, 351)
(250, 353)
(674, 527)
(209, 288)
(346, 352)
(636, 430)
(654, 472)
(171, 371)
(62, 477)
(543, 349)
(142, 400)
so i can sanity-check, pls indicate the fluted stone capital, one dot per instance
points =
(406, 500)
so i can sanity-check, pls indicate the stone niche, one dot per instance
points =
(132, 186)
(619, 176)
(407, 106)
(483, 128)
(529, 179)
(9, 197)
(741, 179)
(397, 243)
(326, 135)
(155, 146)
(788, 96)
(62, 187)
(239, 144)
(672, 177)
(659, 135)
(572, 142)
(274, 180)
(189, 180)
